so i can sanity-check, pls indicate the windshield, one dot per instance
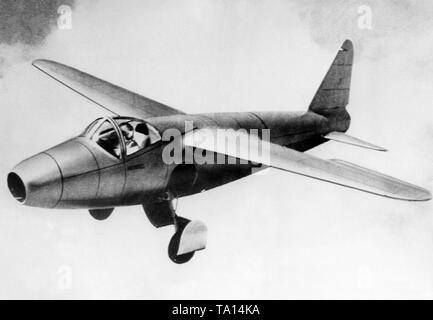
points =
(92, 127)
(135, 133)
(106, 136)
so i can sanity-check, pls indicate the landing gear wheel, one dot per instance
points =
(189, 236)
(173, 248)
(101, 214)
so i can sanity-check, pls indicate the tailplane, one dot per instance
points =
(332, 97)
(345, 138)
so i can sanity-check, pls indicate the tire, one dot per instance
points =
(101, 214)
(174, 246)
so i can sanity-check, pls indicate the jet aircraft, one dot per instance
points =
(117, 159)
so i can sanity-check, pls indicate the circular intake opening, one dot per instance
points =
(16, 187)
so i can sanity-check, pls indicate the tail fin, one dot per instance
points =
(332, 96)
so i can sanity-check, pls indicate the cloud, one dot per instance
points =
(25, 24)
(28, 21)
(395, 25)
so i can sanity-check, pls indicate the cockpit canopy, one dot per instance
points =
(122, 136)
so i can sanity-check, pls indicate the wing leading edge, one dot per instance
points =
(334, 171)
(109, 96)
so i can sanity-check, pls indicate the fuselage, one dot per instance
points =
(79, 173)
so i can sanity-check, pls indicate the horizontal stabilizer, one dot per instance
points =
(345, 138)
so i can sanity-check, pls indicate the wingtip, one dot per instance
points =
(38, 63)
(347, 45)
(426, 195)
(418, 195)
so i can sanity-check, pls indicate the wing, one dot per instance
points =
(339, 172)
(109, 96)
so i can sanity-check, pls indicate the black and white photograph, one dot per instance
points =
(191, 150)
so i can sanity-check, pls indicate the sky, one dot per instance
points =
(272, 236)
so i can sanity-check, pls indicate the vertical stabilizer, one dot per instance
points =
(333, 93)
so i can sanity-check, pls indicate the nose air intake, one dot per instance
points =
(16, 187)
(36, 182)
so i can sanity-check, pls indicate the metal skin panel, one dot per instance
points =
(207, 176)
(215, 175)
(92, 178)
(111, 175)
(178, 122)
(79, 170)
(287, 128)
(298, 130)
(281, 124)
(247, 120)
(39, 179)
(146, 175)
